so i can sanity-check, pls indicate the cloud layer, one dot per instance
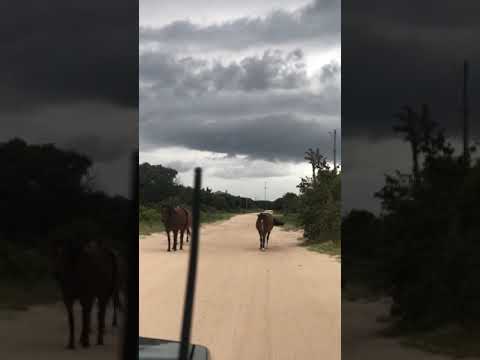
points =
(242, 107)
(318, 21)
(254, 90)
(400, 54)
(70, 77)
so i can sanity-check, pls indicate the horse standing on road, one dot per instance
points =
(264, 226)
(176, 220)
(86, 271)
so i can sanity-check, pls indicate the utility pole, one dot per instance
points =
(466, 135)
(265, 191)
(334, 135)
(335, 151)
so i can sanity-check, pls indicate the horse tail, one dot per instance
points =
(262, 225)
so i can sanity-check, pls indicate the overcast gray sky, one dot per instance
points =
(239, 88)
(401, 54)
(70, 78)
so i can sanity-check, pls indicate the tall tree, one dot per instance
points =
(409, 124)
(315, 159)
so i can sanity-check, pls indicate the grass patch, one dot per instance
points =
(291, 221)
(211, 217)
(452, 340)
(364, 280)
(150, 227)
(332, 248)
(360, 292)
(20, 296)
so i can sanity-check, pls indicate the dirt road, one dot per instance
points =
(42, 333)
(361, 339)
(282, 304)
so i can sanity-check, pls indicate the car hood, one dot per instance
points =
(160, 349)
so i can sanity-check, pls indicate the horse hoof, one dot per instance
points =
(85, 343)
(70, 347)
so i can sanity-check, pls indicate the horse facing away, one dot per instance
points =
(264, 226)
(176, 220)
(86, 272)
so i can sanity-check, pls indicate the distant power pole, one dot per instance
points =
(265, 191)
(335, 150)
(466, 135)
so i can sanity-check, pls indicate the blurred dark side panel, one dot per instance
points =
(68, 129)
(411, 179)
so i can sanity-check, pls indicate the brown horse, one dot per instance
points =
(264, 226)
(86, 272)
(176, 220)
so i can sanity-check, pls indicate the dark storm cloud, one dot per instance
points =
(243, 107)
(104, 132)
(330, 72)
(281, 137)
(165, 106)
(406, 53)
(248, 169)
(98, 148)
(70, 77)
(395, 54)
(319, 22)
(180, 166)
(272, 70)
(60, 52)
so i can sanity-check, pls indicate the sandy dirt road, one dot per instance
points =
(282, 304)
(42, 333)
(361, 339)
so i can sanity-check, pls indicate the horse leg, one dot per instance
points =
(182, 233)
(175, 235)
(102, 305)
(86, 312)
(168, 236)
(268, 237)
(188, 233)
(71, 324)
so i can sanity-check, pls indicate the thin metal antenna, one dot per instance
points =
(192, 269)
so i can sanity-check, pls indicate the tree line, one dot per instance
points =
(46, 191)
(317, 208)
(423, 248)
(159, 185)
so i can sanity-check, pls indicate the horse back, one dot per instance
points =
(267, 221)
(179, 219)
(97, 272)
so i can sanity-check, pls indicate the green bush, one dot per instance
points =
(319, 210)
